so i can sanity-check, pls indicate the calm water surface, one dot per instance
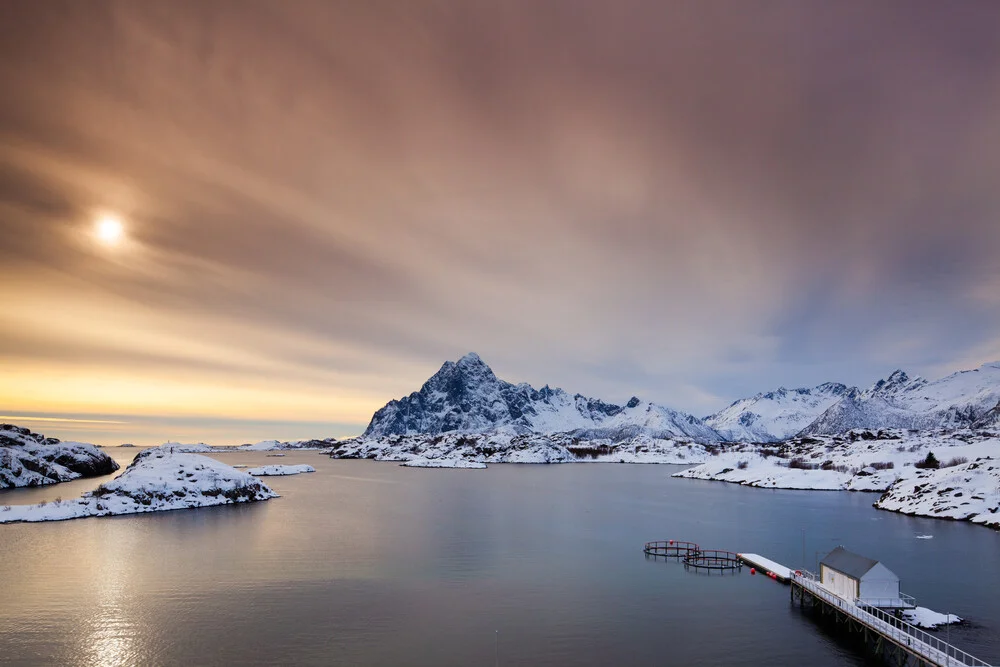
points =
(365, 563)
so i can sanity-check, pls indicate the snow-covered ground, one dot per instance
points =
(31, 459)
(967, 492)
(278, 470)
(922, 617)
(158, 479)
(968, 488)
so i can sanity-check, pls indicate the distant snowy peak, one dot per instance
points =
(898, 383)
(466, 396)
(964, 399)
(776, 415)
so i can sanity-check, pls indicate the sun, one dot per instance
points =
(109, 230)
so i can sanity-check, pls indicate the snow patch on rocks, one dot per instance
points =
(31, 459)
(158, 479)
(922, 617)
(443, 463)
(967, 492)
(279, 470)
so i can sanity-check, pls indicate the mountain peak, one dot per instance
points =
(471, 359)
(467, 396)
(898, 376)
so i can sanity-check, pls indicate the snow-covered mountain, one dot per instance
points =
(961, 400)
(466, 396)
(776, 415)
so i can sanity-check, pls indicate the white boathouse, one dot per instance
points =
(868, 581)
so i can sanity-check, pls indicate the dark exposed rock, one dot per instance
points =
(31, 459)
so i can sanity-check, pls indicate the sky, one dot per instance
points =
(320, 202)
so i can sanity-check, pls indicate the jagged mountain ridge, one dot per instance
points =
(467, 396)
(775, 415)
(966, 399)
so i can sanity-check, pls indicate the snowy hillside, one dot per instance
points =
(157, 479)
(961, 400)
(885, 460)
(967, 492)
(775, 415)
(31, 459)
(466, 396)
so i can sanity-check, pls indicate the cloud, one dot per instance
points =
(677, 200)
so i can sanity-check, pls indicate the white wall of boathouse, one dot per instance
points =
(838, 582)
(879, 583)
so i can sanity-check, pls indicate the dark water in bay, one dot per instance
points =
(365, 563)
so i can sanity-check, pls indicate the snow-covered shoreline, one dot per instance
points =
(965, 487)
(280, 470)
(511, 446)
(262, 446)
(30, 459)
(443, 463)
(159, 479)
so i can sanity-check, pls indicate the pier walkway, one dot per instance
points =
(780, 572)
(883, 633)
(907, 639)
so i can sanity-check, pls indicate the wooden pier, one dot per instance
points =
(886, 635)
(770, 568)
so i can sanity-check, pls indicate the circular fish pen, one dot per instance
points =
(671, 548)
(713, 559)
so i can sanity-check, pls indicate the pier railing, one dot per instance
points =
(901, 601)
(915, 640)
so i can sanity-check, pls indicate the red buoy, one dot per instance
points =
(671, 541)
(753, 570)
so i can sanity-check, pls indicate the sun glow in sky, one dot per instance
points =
(109, 229)
(672, 200)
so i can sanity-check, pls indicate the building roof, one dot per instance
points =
(849, 563)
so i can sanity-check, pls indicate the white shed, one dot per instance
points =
(853, 576)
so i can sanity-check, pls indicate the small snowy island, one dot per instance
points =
(280, 470)
(158, 479)
(443, 463)
(31, 459)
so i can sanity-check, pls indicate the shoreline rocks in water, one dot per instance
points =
(158, 479)
(30, 459)
(279, 470)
